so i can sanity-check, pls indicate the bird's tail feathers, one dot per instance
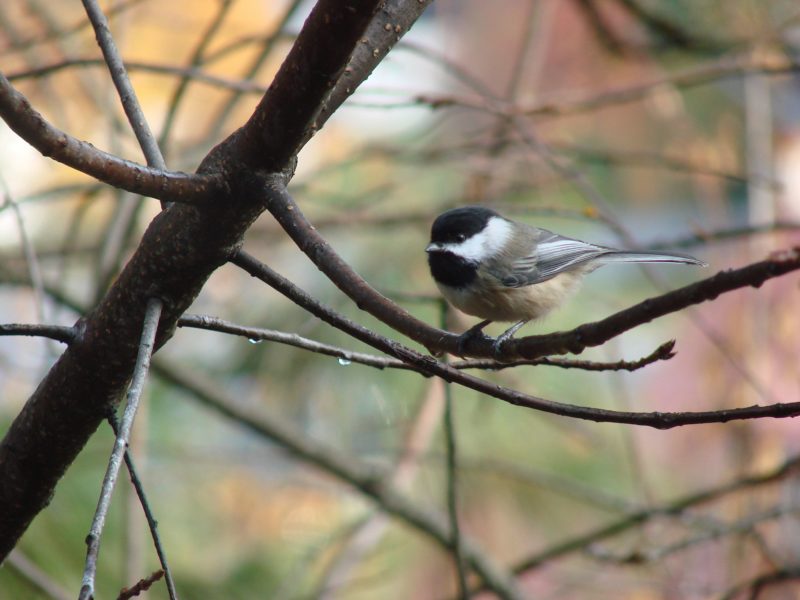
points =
(649, 257)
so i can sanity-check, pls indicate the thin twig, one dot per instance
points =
(756, 584)
(674, 507)
(656, 555)
(701, 236)
(127, 94)
(451, 477)
(291, 339)
(367, 533)
(148, 513)
(141, 586)
(257, 334)
(663, 352)
(54, 332)
(196, 75)
(149, 329)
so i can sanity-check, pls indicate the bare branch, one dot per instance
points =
(267, 45)
(707, 237)
(152, 524)
(141, 586)
(205, 40)
(24, 44)
(146, 347)
(289, 113)
(594, 334)
(292, 339)
(178, 252)
(756, 584)
(391, 22)
(171, 186)
(658, 420)
(127, 94)
(364, 478)
(308, 239)
(195, 74)
(207, 322)
(54, 332)
(451, 477)
(663, 352)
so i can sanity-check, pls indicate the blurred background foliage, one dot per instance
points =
(633, 123)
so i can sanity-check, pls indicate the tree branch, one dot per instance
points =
(209, 323)
(152, 524)
(309, 240)
(146, 347)
(594, 334)
(663, 352)
(428, 364)
(287, 115)
(364, 478)
(127, 94)
(178, 252)
(171, 186)
(54, 332)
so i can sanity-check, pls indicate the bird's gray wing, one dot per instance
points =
(550, 255)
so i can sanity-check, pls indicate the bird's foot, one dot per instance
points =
(470, 335)
(497, 345)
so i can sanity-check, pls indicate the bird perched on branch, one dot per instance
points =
(500, 270)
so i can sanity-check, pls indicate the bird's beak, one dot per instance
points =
(433, 247)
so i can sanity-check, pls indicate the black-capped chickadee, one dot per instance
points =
(500, 270)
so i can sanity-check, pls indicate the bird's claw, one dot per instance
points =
(497, 348)
(467, 338)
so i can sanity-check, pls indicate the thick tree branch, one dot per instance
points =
(392, 21)
(286, 117)
(180, 249)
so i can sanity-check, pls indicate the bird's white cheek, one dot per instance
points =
(484, 244)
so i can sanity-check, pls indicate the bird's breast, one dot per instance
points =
(488, 300)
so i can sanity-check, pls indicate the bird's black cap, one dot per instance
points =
(458, 224)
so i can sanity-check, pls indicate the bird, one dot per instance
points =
(498, 269)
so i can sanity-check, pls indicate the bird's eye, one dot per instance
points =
(461, 237)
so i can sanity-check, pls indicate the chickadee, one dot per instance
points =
(500, 270)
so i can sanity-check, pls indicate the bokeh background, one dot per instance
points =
(649, 123)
